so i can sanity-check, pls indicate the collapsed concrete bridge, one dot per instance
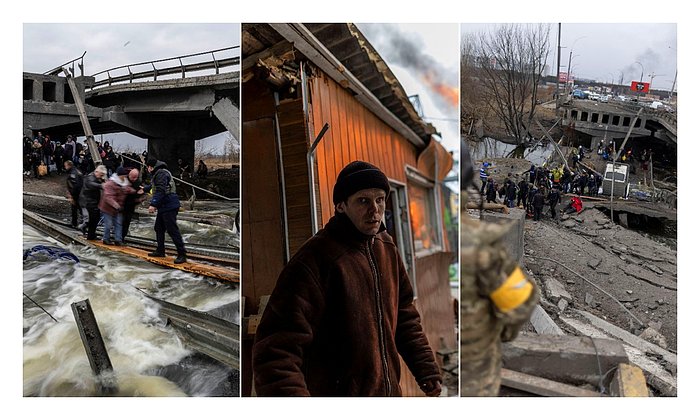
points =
(170, 106)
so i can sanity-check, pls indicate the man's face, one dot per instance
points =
(149, 168)
(365, 209)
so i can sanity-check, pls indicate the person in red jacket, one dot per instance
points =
(341, 316)
(111, 205)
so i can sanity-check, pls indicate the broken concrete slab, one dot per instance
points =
(584, 232)
(590, 300)
(656, 375)
(541, 386)
(642, 274)
(573, 360)
(629, 381)
(543, 323)
(562, 305)
(629, 338)
(654, 336)
(653, 268)
(569, 224)
(555, 290)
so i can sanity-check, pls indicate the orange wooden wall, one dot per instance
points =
(354, 134)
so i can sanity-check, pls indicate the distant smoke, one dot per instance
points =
(409, 52)
(650, 59)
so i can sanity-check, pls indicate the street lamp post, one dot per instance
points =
(641, 78)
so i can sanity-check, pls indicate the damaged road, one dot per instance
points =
(605, 281)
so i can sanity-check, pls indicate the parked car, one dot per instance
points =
(578, 94)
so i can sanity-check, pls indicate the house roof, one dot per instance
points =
(358, 57)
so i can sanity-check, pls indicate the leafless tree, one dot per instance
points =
(509, 62)
(232, 149)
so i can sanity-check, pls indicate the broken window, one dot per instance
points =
(574, 114)
(584, 116)
(28, 89)
(424, 221)
(626, 122)
(594, 118)
(49, 91)
(616, 120)
(606, 118)
(638, 123)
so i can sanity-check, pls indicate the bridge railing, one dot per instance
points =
(70, 64)
(207, 61)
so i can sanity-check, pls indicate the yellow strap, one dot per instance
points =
(513, 292)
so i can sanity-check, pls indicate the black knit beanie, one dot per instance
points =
(358, 176)
(151, 162)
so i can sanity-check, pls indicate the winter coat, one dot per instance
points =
(163, 188)
(114, 194)
(91, 191)
(538, 200)
(523, 188)
(554, 198)
(74, 183)
(491, 191)
(339, 317)
(511, 191)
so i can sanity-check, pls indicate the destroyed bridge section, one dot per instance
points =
(612, 121)
(169, 105)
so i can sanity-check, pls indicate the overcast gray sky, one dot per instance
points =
(47, 45)
(601, 51)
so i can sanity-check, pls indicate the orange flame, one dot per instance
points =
(449, 93)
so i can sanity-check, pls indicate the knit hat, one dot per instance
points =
(152, 162)
(358, 176)
(122, 171)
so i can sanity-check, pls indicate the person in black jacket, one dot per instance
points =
(74, 184)
(511, 192)
(554, 198)
(166, 202)
(538, 203)
(523, 190)
(90, 199)
(490, 190)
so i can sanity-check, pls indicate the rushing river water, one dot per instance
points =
(147, 356)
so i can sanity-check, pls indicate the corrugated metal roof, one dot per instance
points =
(354, 51)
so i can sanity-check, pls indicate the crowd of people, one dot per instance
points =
(539, 186)
(44, 155)
(111, 190)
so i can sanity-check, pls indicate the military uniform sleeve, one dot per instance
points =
(411, 341)
(286, 331)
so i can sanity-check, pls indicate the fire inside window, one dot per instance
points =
(424, 221)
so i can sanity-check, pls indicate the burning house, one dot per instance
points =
(317, 97)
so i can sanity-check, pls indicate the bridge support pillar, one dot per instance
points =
(169, 150)
(595, 141)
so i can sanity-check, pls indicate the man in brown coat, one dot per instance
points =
(341, 316)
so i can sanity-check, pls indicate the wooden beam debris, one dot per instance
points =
(541, 386)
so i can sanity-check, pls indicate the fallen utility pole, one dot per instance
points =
(94, 347)
(556, 146)
(83, 118)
